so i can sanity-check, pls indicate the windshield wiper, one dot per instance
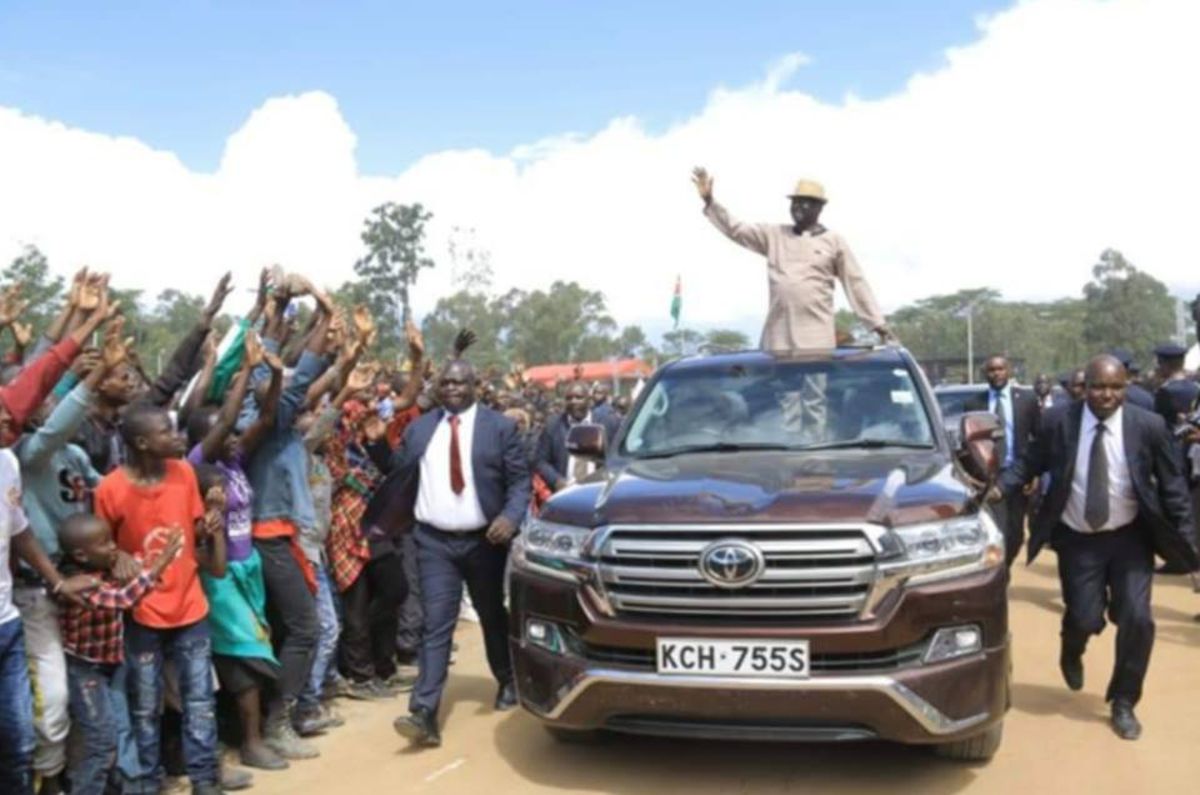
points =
(866, 444)
(715, 447)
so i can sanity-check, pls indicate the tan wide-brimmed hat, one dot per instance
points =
(809, 188)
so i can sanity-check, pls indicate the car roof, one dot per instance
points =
(882, 353)
(949, 389)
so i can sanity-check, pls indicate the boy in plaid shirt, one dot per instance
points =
(94, 640)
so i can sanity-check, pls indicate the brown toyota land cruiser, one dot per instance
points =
(778, 548)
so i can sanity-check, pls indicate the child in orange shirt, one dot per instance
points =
(155, 490)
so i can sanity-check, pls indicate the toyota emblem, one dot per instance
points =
(731, 563)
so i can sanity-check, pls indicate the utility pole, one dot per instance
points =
(968, 311)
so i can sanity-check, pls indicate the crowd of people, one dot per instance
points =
(235, 516)
(278, 509)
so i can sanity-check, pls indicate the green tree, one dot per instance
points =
(473, 310)
(566, 323)
(1125, 307)
(394, 235)
(726, 339)
(681, 342)
(42, 289)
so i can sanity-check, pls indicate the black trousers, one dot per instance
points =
(411, 626)
(447, 561)
(292, 613)
(1009, 514)
(1109, 573)
(370, 615)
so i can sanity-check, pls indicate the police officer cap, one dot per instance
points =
(1170, 350)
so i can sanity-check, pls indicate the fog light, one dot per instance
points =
(952, 642)
(544, 635)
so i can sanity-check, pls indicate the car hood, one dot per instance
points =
(890, 488)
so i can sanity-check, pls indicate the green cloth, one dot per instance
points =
(237, 610)
(228, 364)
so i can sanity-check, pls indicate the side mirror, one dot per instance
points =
(587, 441)
(979, 431)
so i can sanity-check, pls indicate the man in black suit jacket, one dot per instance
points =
(460, 479)
(1117, 497)
(553, 462)
(1020, 416)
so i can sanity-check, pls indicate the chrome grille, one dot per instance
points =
(818, 572)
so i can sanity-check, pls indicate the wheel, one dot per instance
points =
(978, 748)
(572, 736)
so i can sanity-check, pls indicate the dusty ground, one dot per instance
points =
(1055, 741)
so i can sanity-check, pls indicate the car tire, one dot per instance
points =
(977, 748)
(572, 736)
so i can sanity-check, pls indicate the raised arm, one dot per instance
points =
(214, 440)
(265, 421)
(196, 396)
(751, 236)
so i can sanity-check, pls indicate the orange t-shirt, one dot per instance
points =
(136, 515)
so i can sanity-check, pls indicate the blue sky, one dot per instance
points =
(413, 78)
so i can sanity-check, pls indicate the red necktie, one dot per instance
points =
(457, 483)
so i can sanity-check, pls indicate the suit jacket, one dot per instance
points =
(1164, 509)
(498, 463)
(552, 459)
(1027, 417)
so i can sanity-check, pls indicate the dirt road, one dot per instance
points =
(1055, 741)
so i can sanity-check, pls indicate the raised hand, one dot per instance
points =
(220, 293)
(363, 322)
(11, 305)
(85, 362)
(94, 285)
(22, 333)
(116, 348)
(703, 182)
(362, 377)
(77, 283)
(465, 339)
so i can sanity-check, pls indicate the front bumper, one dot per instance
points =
(915, 703)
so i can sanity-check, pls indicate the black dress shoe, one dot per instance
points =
(1072, 669)
(420, 727)
(1124, 722)
(506, 699)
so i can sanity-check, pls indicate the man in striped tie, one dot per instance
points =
(462, 476)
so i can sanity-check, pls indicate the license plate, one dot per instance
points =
(786, 659)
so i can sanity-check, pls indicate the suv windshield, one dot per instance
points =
(780, 405)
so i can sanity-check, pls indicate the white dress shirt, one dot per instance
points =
(437, 504)
(1122, 502)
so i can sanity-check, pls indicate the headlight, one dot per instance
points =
(550, 548)
(940, 550)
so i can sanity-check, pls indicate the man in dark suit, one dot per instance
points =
(1174, 400)
(1020, 417)
(1117, 498)
(461, 479)
(555, 465)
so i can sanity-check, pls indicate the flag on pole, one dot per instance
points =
(677, 300)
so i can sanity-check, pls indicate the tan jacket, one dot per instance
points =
(801, 270)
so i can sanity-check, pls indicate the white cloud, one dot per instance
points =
(1069, 126)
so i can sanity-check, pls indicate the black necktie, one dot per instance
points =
(1002, 442)
(1095, 508)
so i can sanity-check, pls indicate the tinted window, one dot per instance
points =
(767, 403)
